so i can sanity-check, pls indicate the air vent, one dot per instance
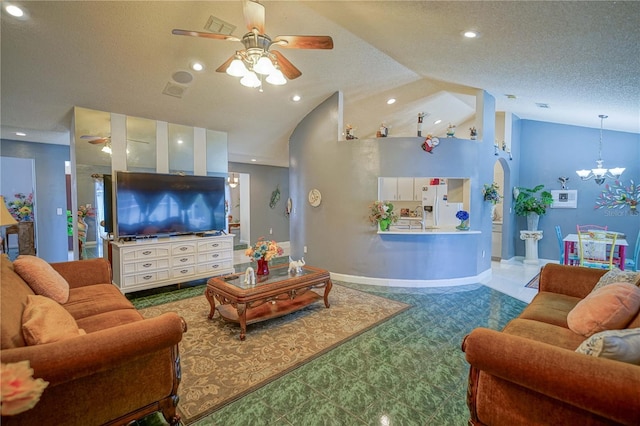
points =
(175, 90)
(541, 105)
(217, 25)
(182, 77)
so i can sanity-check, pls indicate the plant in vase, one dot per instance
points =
(532, 203)
(463, 217)
(22, 207)
(490, 193)
(262, 252)
(381, 214)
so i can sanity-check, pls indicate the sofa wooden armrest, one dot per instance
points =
(607, 388)
(80, 273)
(573, 281)
(92, 353)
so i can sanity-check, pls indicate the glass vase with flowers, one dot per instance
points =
(262, 252)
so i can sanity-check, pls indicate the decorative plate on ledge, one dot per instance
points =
(315, 198)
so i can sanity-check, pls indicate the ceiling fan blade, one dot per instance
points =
(95, 140)
(253, 15)
(137, 140)
(205, 35)
(304, 42)
(223, 67)
(287, 68)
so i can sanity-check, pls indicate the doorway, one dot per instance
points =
(240, 209)
(497, 213)
(18, 177)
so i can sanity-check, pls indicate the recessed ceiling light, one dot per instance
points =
(391, 101)
(437, 122)
(294, 98)
(14, 11)
(197, 66)
(510, 96)
(21, 134)
(180, 141)
(470, 34)
(542, 105)
(254, 160)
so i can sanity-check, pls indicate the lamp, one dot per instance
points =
(232, 180)
(5, 217)
(599, 173)
(106, 148)
(256, 59)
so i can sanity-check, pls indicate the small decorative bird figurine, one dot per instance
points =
(563, 180)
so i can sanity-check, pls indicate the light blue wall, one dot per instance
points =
(553, 150)
(50, 194)
(337, 233)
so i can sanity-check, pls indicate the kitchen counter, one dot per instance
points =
(428, 231)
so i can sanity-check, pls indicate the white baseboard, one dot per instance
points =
(392, 282)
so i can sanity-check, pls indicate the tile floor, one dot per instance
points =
(407, 371)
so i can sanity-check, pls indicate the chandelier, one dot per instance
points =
(232, 180)
(255, 63)
(599, 173)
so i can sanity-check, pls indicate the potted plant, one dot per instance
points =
(382, 214)
(532, 203)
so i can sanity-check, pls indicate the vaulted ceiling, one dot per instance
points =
(579, 59)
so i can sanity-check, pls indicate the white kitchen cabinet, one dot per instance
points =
(387, 189)
(405, 189)
(398, 189)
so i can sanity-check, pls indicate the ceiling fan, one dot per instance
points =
(106, 140)
(97, 140)
(257, 58)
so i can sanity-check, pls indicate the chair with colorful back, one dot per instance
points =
(596, 246)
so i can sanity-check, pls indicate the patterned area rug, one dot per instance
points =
(218, 368)
(535, 281)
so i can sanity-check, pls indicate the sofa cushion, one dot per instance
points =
(620, 345)
(42, 278)
(544, 332)
(609, 308)
(109, 319)
(45, 321)
(95, 299)
(551, 308)
(14, 298)
(617, 276)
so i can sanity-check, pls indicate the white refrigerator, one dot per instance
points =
(436, 210)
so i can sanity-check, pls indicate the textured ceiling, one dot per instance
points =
(580, 58)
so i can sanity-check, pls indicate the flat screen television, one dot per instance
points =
(151, 204)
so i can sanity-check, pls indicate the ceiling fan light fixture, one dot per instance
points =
(276, 78)
(250, 79)
(237, 68)
(106, 149)
(264, 66)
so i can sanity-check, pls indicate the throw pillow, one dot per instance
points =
(617, 276)
(45, 321)
(42, 278)
(610, 308)
(619, 345)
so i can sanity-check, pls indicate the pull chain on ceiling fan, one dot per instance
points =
(257, 60)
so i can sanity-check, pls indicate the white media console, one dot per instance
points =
(156, 262)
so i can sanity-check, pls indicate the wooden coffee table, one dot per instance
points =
(272, 296)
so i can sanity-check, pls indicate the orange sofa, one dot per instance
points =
(530, 374)
(122, 369)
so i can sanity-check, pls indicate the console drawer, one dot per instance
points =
(144, 253)
(214, 256)
(183, 260)
(146, 277)
(183, 272)
(215, 268)
(204, 246)
(146, 265)
(183, 248)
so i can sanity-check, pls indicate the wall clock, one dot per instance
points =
(315, 197)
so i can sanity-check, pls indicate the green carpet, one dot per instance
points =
(218, 368)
